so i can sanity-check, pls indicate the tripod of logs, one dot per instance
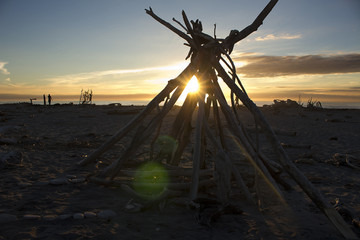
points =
(209, 57)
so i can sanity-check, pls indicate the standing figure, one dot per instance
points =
(49, 99)
(44, 100)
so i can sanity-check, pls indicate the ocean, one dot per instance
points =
(333, 105)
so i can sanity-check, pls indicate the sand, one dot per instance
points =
(45, 195)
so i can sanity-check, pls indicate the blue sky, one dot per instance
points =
(308, 47)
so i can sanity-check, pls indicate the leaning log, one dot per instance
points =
(284, 160)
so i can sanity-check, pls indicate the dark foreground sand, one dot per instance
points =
(51, 140)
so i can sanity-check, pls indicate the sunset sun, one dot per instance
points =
(192, 86)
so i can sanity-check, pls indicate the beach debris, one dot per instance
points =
(314, 104)
(6, 218)
(209, 59)
(339, 159)
(278, 104)
(86, 97)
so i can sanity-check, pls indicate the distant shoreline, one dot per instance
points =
(330, 105)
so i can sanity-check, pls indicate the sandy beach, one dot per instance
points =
(44, 194)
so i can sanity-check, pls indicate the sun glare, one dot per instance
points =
(192, 86)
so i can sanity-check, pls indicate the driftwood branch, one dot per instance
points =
(171, 27)
(239, 180)
(197, 151)
(241, 137)
(236, 36)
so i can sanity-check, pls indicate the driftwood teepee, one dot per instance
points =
(209, 57)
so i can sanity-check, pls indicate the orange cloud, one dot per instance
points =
(275, 66)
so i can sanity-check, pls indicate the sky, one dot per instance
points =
(307, 48)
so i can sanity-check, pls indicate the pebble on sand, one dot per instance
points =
(58, 181)
(77, 180)
(78, 216)
(106, 214)
(65, 216)
(89, 214)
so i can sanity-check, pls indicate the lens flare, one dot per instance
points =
(150, 180)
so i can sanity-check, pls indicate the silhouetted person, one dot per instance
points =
(44, 100)
(49, 99)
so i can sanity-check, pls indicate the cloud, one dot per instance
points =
(3, 69)
(96, 75)
(321, 94)
(276, 66)
(279, 37)
(8, 80)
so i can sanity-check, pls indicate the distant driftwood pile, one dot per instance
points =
(209, 59)
(86, 97)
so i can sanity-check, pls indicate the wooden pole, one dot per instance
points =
(243, 141)
(235, 171)
(182, 127)
(197, 150)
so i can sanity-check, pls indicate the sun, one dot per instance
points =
(191, 87)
